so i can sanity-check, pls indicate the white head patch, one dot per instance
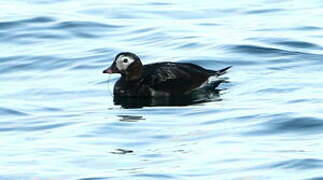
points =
(123, 62)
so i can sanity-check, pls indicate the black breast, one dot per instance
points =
(130, 88)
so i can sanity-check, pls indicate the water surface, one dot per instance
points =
(59, 121)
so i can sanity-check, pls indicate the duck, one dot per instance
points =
(158, 79)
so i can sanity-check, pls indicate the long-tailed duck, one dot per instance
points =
(157, 79)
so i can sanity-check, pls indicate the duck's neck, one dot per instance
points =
(132, 76)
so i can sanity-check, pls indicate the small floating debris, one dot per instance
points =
(122, 151)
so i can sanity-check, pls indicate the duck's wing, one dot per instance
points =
(174, 78)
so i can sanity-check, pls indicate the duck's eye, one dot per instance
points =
(125, 60)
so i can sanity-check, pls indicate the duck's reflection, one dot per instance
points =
(199, 96)
(130, 118)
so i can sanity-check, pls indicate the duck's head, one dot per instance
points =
(127, 64)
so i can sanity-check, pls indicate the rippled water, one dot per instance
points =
(58, 119)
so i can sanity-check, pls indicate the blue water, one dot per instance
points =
(58, 119)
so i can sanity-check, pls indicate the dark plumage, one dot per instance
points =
(158, 79)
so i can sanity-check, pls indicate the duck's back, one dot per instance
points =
(175, 78)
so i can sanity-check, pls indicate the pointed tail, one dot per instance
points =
(221, 71)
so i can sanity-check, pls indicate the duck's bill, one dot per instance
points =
(111, 70)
